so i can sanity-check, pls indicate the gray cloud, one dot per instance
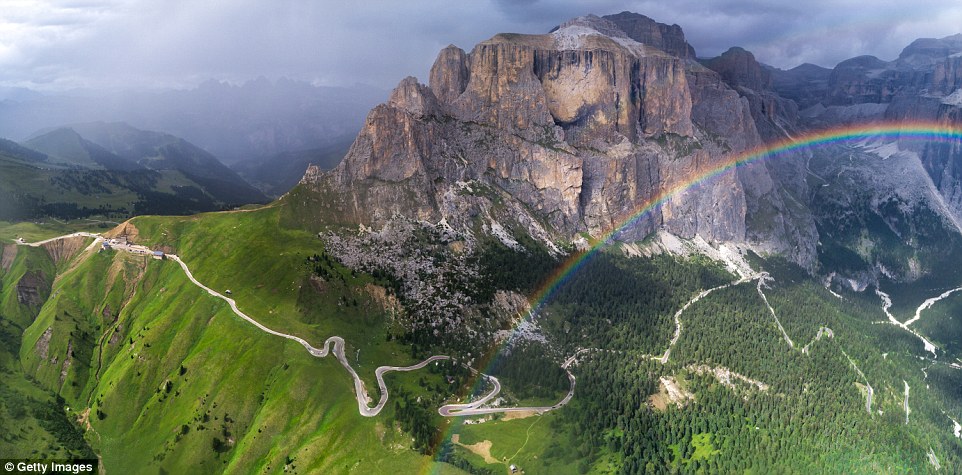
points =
(59, 44)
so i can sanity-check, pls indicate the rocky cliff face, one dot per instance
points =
(775, 221)
(923, 84)
(911, 186)
(568, 132)
(576, 131)
(668, 38)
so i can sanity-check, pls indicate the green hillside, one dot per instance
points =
(174, 380)
(66, 176)
(164, 152)
(34, 419)
(170, 380)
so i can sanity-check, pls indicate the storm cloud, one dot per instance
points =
(63, 44)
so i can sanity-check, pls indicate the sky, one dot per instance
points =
(53, 45)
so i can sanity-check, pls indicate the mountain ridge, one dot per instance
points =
(586, 149)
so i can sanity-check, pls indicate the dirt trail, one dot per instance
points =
(761, 282)
(704, 293)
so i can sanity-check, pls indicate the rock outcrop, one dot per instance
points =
(8, 253)
(62, 250)
(770, 186)
(31, 289)
(739, 68)
(573, 131)
(668, 38)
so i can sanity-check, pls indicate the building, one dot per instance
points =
(158, 255)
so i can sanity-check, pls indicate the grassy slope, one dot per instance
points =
(263, 401)
(33, 420)
(18, 177)
(38, 231)
(256, 398)
(531, 443)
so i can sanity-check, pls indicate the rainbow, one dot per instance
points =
(915, 131)
(848, 134)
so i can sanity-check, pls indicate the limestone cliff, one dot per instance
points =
(557, 134)
(776, 220)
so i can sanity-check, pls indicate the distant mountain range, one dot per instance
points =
(277, 174)
(257, 119)
(113, 168)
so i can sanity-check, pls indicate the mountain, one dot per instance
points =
(584, 251)
(546, 143)
(164, 152)
(259, 118)
(805, 84)
(63, 174)
(65, 147)
(277, 174)
(577, 129)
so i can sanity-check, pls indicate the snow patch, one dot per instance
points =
(573, 36)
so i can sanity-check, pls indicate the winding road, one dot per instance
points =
(474, 408)
(336, 345)
(66, 236)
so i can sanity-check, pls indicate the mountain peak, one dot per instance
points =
(738, 67)
(668, 38)
(924, 51)
(594, 22)
(625, 27)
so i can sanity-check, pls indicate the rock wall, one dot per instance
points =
(578, 130)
